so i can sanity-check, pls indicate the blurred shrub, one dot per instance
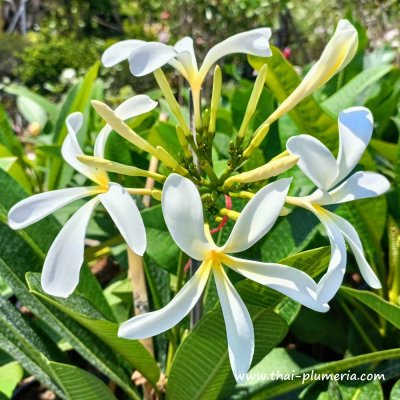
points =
(47, 56)
(11, 48)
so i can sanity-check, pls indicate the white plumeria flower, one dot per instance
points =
(183, 213)
(64, 259)
(335, 186)
(337, 54)
(146, 57)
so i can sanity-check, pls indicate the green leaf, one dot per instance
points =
(289, 236)
(164, 134)
(7, 136)
(308, 115)
(19, 340)
(78, 384)
(40, 236)
(6, 163)
(15, 256)
(79, 101)
(10, 375)
(279, 360)
(31, 111)
(385, 149)
(12, 166)
(80, 310)
(271, 389)
(26, 249)
(201, 368)
(368, 217)
(395, 392)
(361, 390)
(160, 246)
(347, 95)
(387, 310)
(49, 107)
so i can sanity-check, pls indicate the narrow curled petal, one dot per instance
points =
(150, 56)
(355, 131)
(355, 244)
(63, 262)
(36, 207)
(336, 55)
(183, 214)
(119, 52)
(254, 42)
(360, 185)
(71, 149)
(258, 217)
(130, 108)
(238, 324)
(330, 283)
(290, 281)
(155, 322)
(126, 216)
(316, 161)
(185, 50)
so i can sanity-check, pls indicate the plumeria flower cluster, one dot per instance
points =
(336, 185)
(191, 184)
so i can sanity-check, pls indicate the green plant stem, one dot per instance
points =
(358, 327)
(362, 310)
(180, 271)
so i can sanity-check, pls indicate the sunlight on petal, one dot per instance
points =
(183, 214)
(36, 207)
(149, 57)
(254, 42)
(258, 217)
(238, 324)
(330, 283)
(355, 131)
(316, 160)
(287, 280)
(119, 52)
(155, 322)
(126, 216)
(70, 150)
(355, 244)
(360, 185)
(64, 259)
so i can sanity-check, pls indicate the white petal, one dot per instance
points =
(36, 207)
(355, 244)
(185, 50)
(287, 280)
(130, 108)
(125, 214)
(155, 322)
(71, 149)
(355, 131)
(254, 42)
(63, 262)
(183, 214)
(360, 185)
(149, 57)
(337, 54)
(258, 217)
(316, 161)
(119, 52)
(238, 324)
(330, 283)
